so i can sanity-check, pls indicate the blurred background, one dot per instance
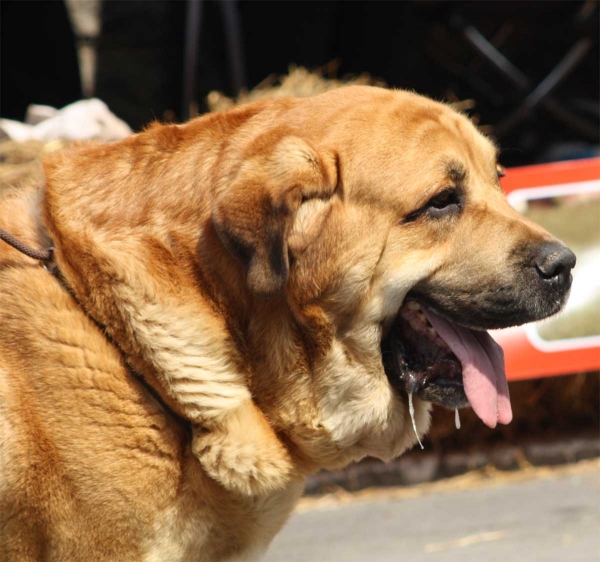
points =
(527, 73)
(527, 70)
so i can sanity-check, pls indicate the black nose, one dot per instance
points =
(555, 261)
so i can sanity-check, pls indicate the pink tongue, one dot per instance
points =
(482, 360)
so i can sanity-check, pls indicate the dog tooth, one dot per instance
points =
(421, 316)
(412, 305)
(432, 331)
(456, 418)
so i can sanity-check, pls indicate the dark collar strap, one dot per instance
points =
(41, 255)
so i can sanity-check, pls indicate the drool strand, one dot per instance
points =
(456, 418)
(411, 409)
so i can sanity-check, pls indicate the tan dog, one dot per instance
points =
(251, 268)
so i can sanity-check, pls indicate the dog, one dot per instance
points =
(237, 302)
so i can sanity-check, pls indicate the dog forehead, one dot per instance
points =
(399, 155)
(414, 147)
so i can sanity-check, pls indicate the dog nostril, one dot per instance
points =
(555, 260)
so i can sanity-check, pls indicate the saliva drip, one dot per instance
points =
(411, 385)
(411, 410)
(456, 419)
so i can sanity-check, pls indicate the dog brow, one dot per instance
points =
(456, 172)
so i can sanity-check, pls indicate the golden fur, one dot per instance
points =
(244, 265)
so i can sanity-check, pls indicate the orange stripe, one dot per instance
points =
(551, 174)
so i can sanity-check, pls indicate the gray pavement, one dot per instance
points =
(554, 519)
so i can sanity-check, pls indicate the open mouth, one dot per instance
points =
(447, 364)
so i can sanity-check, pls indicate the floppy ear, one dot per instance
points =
(254, 213)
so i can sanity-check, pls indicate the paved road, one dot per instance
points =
(553, 519)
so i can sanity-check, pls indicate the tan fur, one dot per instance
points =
(244, 265)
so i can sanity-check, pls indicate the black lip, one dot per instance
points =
(445, 392)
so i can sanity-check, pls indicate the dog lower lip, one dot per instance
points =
(418, 361)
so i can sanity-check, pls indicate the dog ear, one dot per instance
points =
(255, 211)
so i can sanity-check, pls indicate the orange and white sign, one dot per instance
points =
(565, 198)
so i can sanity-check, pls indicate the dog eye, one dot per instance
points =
(500, 171)
(445, 203)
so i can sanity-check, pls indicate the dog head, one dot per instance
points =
(398, 251)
